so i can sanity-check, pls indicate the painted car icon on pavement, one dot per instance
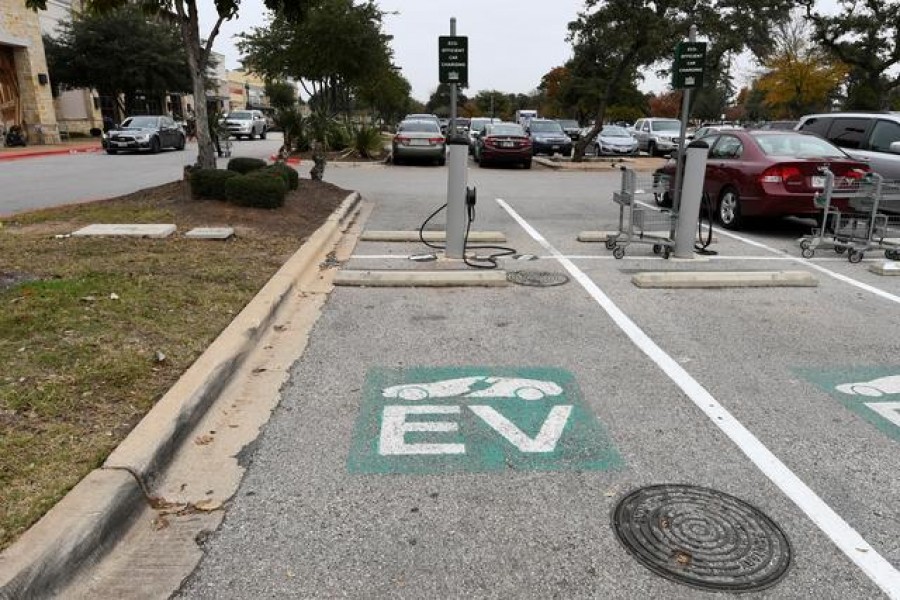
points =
(497, 387)
(874, 389)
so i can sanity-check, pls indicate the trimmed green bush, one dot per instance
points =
(244, 164)
(210, 183)
(258, 189)
(290, 175)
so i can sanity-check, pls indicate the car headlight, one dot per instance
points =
(144, 137)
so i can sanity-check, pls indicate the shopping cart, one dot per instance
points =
(639, 221)
(858, 215)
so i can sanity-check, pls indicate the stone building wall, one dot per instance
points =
(20, 30)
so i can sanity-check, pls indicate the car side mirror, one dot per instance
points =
(894, 147)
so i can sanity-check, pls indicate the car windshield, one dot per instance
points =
(797, 145)
(615, 132)
(568, 123)
(546, 126)
(241, 115)
(672, 125)
(422, 126)
(141, 122)
(506, 129)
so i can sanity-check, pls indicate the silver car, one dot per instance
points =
(615, 141)
(419, 140)
(657, 136)
(870, 137)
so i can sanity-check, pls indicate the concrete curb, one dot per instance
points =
(87, 521)
(724, 279)
(421, 278)
(19, 154)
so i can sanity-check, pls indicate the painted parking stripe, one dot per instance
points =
(847, 539)
(801, 260)
(610, 257)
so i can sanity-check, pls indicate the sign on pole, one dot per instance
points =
(453, 59)
(687, 72)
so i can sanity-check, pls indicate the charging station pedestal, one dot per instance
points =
(691, 196)
(457, 163)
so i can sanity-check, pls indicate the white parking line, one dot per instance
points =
(851, 543)
(627, 258)
(804, 261)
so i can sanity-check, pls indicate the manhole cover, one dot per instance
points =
(536, 278)
(702, 538)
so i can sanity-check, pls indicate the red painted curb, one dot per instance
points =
(14, 155)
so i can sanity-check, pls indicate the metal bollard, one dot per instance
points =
(691, 195)
(457, 165)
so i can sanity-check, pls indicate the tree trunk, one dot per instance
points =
(190, 33)
(581, 144)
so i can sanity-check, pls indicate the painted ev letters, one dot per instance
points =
(456, 419)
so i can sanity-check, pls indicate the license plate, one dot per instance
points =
(554, 147)
(507, 144)
(817, 181)
(418, 142)
(120, 143)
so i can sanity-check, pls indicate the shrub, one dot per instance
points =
(244, 164)
(258, 189)
(367, 142)
(289, 174)
(210, 183)
(337, 137)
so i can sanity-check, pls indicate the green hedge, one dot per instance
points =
(289, 174)
(210, 183)
(258, 189)
(243, 164)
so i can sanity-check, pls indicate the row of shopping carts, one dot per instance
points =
(858, 216)
(639, 221)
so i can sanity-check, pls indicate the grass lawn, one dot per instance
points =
(93, 331)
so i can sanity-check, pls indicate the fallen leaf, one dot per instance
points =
(202, 440)
(259, 369)
(159, 523)
(114, 296)
(208, 505)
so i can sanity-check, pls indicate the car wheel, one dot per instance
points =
(482, 163)
(569, 153)
(252, 135)
(442, 162)
(154, 145)
(111, 151)
(730, 209)
(651, 149)
(527, 164)
(262, 135)
(181, 143)
(396, 160)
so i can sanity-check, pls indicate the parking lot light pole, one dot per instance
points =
(457, 163)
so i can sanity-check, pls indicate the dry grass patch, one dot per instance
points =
(93, 331)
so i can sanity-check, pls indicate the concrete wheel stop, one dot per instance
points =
(724, 279)
(404, 278)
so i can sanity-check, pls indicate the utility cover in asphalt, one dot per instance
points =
(702, 537)
(537, 278)
(456, 419)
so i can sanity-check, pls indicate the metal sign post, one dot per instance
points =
(453, 68)
(687, 74)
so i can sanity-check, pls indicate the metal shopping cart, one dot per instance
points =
(639, 221)
(858, 215)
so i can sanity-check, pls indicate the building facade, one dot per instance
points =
(25, 94)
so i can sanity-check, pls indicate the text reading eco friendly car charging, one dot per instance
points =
(872, 393)
(454, 419)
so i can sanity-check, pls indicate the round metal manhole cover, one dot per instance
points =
(702, 537)
(536, 278)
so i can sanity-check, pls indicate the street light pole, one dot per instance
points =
(247, 94)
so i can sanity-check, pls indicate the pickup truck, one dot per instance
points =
(246, 123)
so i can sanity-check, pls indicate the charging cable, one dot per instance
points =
(706, 213)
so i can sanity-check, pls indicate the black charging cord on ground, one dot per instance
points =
(706, 212)
(491, 259)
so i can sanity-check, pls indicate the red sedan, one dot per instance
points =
(503, 142)
(768, 173)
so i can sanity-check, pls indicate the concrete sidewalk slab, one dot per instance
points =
(724, 279)
(148, 230)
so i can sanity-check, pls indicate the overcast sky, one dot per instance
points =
(512, 43)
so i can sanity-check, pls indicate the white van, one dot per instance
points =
(523, 117)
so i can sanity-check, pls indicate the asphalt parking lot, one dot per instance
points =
(396, 467)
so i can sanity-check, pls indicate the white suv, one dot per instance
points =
(657, 136)
(870, 137)
(246, 123)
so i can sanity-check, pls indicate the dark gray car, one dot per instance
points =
(145, 133)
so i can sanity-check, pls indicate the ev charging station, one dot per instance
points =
(690, 170)
(453, 68)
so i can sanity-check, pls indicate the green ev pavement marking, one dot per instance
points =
(871, 392)
(468, 419)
